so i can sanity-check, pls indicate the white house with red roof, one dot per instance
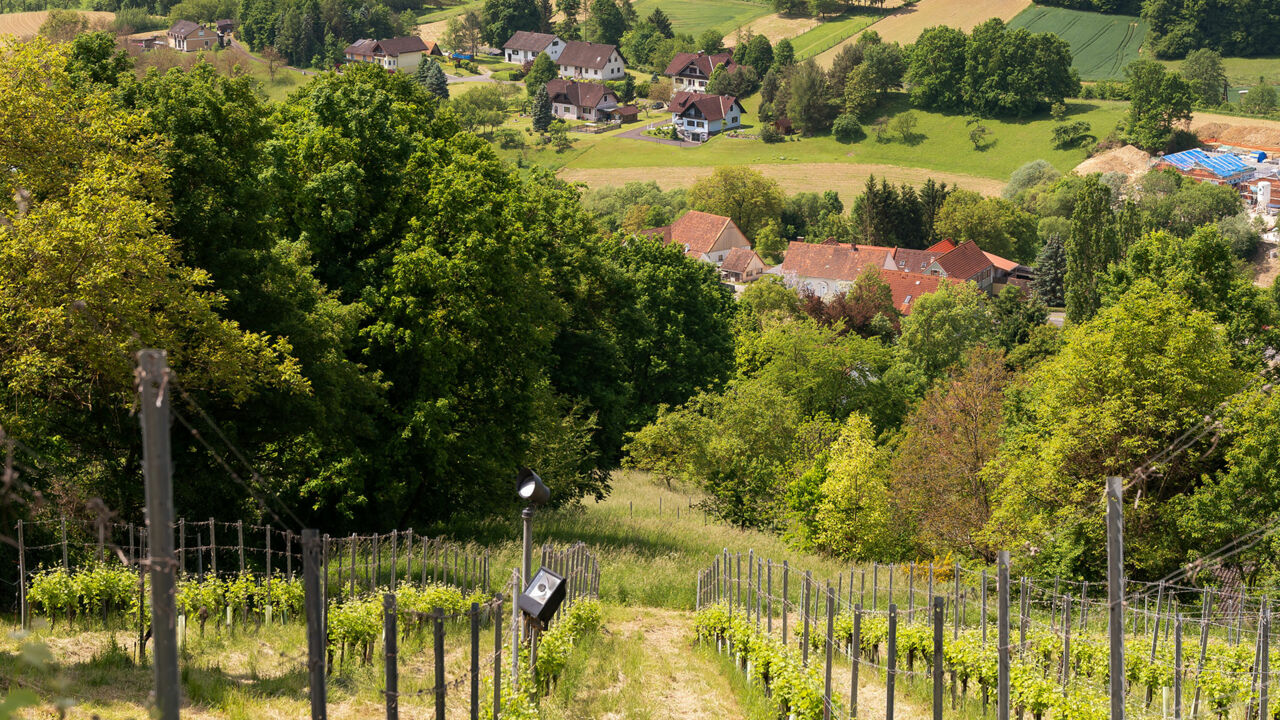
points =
(698, 116)
(707, 237)
(689, 72)
(741, 265)
(525, 46)
(395, 54)
(591, 61)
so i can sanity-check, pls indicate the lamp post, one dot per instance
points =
(530, 489)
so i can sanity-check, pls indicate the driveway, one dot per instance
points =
(638, 134)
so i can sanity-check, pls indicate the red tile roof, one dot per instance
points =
(704, 62)
(390, 46)
(908, 287)
(834, 261)
(914, 261)
(712, 107)
(967, 261)
(698, 230)
(585, 55)
(1003, 264)
(943, 246)
(739, 260)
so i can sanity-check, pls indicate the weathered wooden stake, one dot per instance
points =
(475, 661)
(939, 618)
(437, 624)
(892, 671)
(389, 639)
(1002, 646)
(831, 617)
(316, 635)
(1115, 594)
(855, 659)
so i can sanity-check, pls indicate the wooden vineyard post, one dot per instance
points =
(497, 657)
(240, 538)
(737, 585)
(769, 597)
(475, 661)
(751, 564)
(1155, 632)
(939, 617)
(268, 553)
(66, 563)
(875, 586)
(316, 635)
(804, 638)
(352, 579)
(956, 605)
(437, 630)
(182, 546)
(408, 556)
(213, 548)
(831, 617)
(1002, 647)
(1263, 700)
(1177, 668)
(1206, 611)
(985, 699)
(389, 655)
(911, 592)
(855, 659)
(22, 579)
(759, 584)
(786, 573)
(395, 560)
(892, 672)
(1066, 642)
(288, 556)
(1115, 595)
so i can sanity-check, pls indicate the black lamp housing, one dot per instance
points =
(543, 596)
(531, 489)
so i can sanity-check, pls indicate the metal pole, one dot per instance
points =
(153, 387)
(527, 516)
(1177, 669)
(1115, 594)
(475, 661)
(831, 616)
(315, 623)
(389, 655)
(1002, 683)
(893, 661)
(497, 659)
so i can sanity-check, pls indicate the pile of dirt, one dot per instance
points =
(1242, 135)
(1127, 160)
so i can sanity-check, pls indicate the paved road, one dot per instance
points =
(638, 134)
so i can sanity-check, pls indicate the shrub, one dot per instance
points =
(847, 129)
(770, 134)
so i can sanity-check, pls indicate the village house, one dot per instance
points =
(741, 265)
(591, 61)
(908, 287)
(697, 116)
(689, 72)
(706, 237)
(828, 268)
(963, 262)
(525, 47)
(225, 26)
(394, 54)
(186, 36)
(573, 100)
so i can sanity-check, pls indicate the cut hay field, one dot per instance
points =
(694, 16)
(776, 27)
(834, 31)
(27, 24)
(1101, 45)
(905, 23)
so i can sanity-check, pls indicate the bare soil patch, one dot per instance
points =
(1266, 264)
(433, 31)
(1256, 133)
(1127, 160)
(776, 27)
(848, 179)
(905, 24)
(26, 25)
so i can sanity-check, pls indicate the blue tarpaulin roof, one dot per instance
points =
(1224, 166)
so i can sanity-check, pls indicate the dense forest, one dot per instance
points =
(384, 317)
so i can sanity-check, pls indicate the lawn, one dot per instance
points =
(1101, 45)
(697, 15)
(941, 144)
(446, 11)
(833, 32)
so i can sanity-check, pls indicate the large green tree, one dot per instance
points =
(1159, 100)
(502, 18)
(742, 194)
(1207, 77)
(1092, 245)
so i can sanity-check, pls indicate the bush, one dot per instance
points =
(771, 135)
(847, 129)
(509, 139)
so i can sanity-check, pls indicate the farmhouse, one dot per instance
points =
(401, 53)
(575, 100)
(593, 61)
(828, 268)
(525, 47)
(186, 36)
(225, 26)
(963, 262)
(689, 72)
(698, 116)
(908, 287)
(709, 238)
(741, 265)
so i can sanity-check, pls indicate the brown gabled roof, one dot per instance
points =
(739, 260)
(183, 28)
(908, 287)
(534, 42)
(942, 247)
(914, 261)
(586, 55)
(698, 230)
(1003, 264)
(712, 107)
(392, 47)
(704, 62)
(582, 94)
(835, 261)
(965, 262)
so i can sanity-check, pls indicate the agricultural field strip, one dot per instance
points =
(1101, 45)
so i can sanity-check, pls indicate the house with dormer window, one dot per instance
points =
(698, 116)
(591, 61)
(689, 72)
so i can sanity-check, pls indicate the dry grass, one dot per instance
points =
(776, 27)
(26, 25)
(432, 31)
(848, 179)
(904, 26)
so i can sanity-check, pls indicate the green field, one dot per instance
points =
(1101, 45)
(942, 144)
(833, 32)
(446, 10)
(694, 17)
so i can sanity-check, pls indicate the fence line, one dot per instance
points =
(1052, 630)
